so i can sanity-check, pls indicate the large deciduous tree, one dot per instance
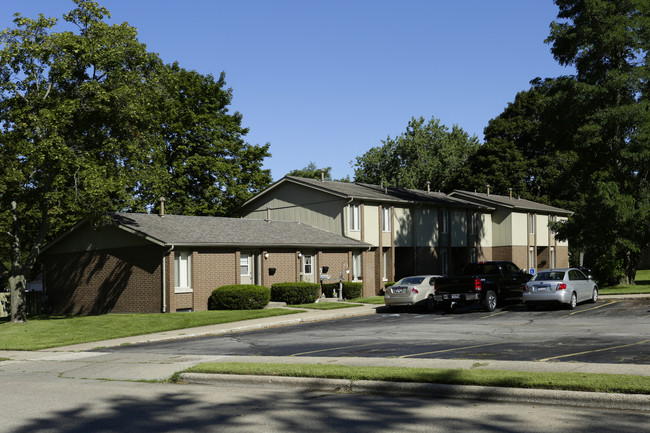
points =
(90, 123)
(427, 153)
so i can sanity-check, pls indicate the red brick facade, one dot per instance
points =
(130, 280)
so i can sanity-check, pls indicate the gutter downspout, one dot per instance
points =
(164, 279)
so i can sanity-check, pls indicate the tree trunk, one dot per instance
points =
(17, 284)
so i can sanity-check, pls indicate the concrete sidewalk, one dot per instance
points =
(89, 361)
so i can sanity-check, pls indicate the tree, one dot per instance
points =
(91, 123)
(426, 152)
(312, 172)
(209, 168)
(608, 42)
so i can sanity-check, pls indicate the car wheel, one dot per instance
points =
(450, 307)
(573, 301)
(431, 303)
(594, 295)
(490, 301)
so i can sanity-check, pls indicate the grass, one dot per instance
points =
(375, 300)
(610, 383)
(642, 286)
(44, 332)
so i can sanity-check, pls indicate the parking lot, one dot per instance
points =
(611, 331)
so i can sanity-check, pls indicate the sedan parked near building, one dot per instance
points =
(560, 286)
(410, 291)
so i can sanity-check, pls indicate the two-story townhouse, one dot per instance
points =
(410, 231)
(520, 231)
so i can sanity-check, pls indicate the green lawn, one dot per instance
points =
(612, 383)
(326, 305)
(642, 286)
(51, 331)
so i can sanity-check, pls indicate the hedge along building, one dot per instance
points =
(147, 263)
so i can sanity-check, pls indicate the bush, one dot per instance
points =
(239, 297)
(295, 293)
(350, 290)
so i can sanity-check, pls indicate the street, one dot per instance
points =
(47, 403)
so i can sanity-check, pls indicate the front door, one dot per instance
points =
(307, 267)
(246, 270)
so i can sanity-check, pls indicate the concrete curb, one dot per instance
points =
(635, 402)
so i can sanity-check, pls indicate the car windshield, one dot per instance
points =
(549, 276)
(411, 280)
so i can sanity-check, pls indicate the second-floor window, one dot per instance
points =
(473, 223)
(355, 217)
(444, 223)
(531, 223)
(385, 219)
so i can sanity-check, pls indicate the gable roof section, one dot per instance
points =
(181, 230)
(517, 204)
(364, 191)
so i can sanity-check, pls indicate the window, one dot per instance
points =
(473, 255)
(384, 258)
(531, 258)
(444, 223)
(182, 275)
(473, 223)
(552, 220)
(244, 265)
(307, 263)
(531, 224)
(355, 217)
(444, 257)
(385, 219)
(356, 266)
(552, 257)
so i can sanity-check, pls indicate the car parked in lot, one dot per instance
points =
(567, 286)
(411, 291)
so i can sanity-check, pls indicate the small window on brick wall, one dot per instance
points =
(182, 272)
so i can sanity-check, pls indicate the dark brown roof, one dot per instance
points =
(215, 231)
(509, 203)
(364, 191)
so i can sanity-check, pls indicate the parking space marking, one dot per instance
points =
(335, 348)
(448, 350)
(594, 351)
(493, 314)
(593, 308)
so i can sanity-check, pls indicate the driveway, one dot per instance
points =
(608, 332)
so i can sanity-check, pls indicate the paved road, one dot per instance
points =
(610, 331)
(44, 402)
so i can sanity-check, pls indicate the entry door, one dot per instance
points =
(246, 269)
(307, 266)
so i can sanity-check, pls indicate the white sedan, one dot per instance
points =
(561, 286)
(410, 291)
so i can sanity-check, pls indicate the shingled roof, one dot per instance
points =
(509, 202)
(181, 230)
(377, 193)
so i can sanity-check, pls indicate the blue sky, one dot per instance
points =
(325, 81)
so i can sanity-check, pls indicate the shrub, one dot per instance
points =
(295, 293)
(239, 297)
(350, 290)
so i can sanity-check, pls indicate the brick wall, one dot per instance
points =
(123, 280)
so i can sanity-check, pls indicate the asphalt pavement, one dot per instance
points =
(88, 361)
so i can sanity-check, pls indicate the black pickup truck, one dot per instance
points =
(484, 282)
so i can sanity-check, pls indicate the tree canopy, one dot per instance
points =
(91, 123)
(427, 153)
(311, 171)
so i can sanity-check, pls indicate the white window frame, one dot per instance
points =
(245, 262)
(355, 217)
(384, 258)
(531, 223)
(357, 266)
(308, 268)
(182, 271)
(386, 219)
(532, 258)
(552, 258)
